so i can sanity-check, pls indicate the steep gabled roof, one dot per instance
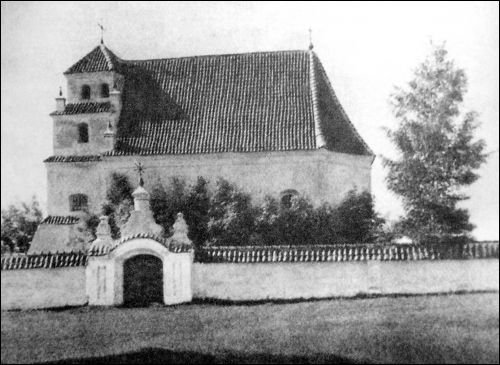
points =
(250, 102)
(99, 59)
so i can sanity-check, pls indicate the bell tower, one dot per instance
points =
(85, 121)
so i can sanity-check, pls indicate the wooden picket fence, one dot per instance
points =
(337, 253)
(43, 261)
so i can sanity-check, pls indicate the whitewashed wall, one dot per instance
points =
(59, 287)
(282, 280)
(43, 288)
(323, 176)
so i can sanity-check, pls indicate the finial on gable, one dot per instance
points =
(311, 46)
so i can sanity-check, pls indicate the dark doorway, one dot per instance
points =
(142, 281)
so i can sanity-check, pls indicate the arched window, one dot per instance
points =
(286, 197)
(78, 202)
(104, 90)
(83, 133)
(85, 92)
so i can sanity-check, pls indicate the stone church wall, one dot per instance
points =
(43, 288)
(321, 175)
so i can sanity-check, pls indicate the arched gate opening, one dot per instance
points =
(142, 281)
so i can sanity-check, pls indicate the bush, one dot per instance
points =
(353, 221)
(196, 212)
(280, 225)
(226, 216)
(19, 224)
(231, 216)
(167, 202)
(357, 220)
(119, 202)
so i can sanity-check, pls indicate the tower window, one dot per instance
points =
(85, 92)
(104, 90)
(83, 133)
(286, 198)
(78, 202)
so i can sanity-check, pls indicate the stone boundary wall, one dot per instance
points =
(276, 272)
(305, 280)
(43, 288)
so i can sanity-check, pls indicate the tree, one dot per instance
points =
(231, 216)
(438, 152)
(19, 224)
(357, 220)
(166, 203)
(196, 211)
(119, 202)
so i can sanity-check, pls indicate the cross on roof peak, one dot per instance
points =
(139, 167)
(102, 32)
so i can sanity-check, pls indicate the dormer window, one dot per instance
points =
(78, 202)
(85, 92)
(83, 133)
(104, 91)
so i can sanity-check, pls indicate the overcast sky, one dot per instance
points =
(366, 50)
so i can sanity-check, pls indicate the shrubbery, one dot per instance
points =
(223, 214)
(19, 224)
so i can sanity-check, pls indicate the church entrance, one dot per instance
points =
(142, 281)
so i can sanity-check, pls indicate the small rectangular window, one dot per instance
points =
(78, 202)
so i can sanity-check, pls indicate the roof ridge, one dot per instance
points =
(341, 108)
(216, 55)
(105, 51)
(318, 133)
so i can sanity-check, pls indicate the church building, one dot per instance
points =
(269, 122)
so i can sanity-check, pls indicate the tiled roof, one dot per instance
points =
(173, 246)
(57, 219)
(264, 101)
(99, 59)
(44, 261)
(84, 108)
(87, 158)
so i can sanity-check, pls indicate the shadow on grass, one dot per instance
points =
(156, 355)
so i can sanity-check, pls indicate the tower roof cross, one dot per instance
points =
(102, 32)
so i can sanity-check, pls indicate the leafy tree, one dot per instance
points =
(357, 221)
(196, 211)
(19, 224)
(279, 224)
(231, 215)
(119, 189)
(166, 203)
(119, 202)
(438, 152)
(352, 221)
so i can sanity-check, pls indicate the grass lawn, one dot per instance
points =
(449, 328)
